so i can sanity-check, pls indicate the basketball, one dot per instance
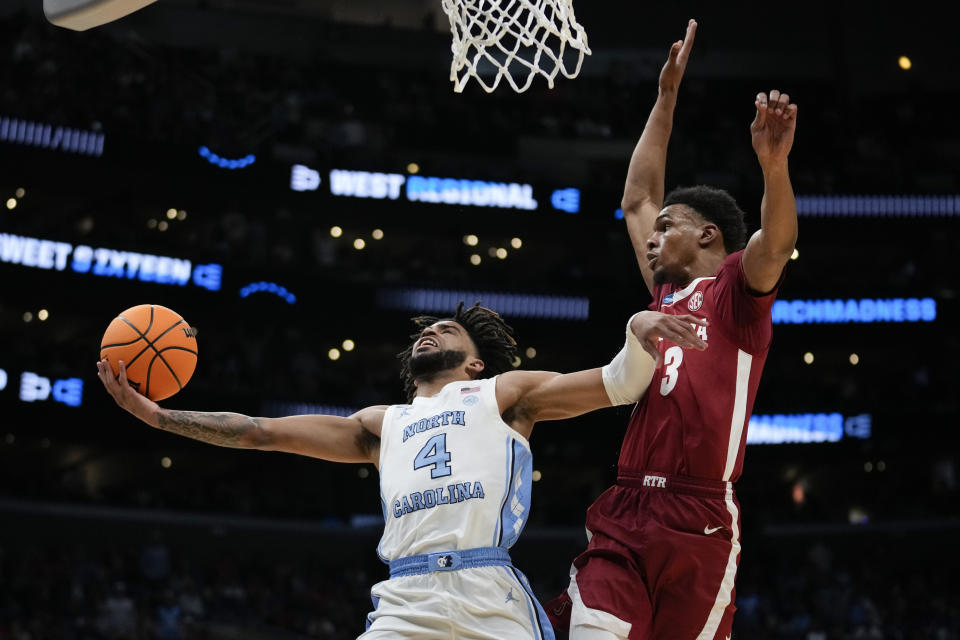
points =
(157, 346)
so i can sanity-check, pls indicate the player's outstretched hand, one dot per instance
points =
(773, 127)
(125, 395)
(672, 72)
(652, 326)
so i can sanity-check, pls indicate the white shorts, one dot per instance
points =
(480, 603)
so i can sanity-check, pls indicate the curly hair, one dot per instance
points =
(493, 338)
(716, 206)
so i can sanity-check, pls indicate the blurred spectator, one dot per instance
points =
(844, 593)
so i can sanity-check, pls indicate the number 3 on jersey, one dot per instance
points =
(671, 363)
(434, 454)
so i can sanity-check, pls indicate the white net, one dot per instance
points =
(514, 39)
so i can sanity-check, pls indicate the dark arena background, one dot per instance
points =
(274, 172)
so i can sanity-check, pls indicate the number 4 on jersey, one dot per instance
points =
(434, 454)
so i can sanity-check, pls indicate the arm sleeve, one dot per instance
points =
(628, 375)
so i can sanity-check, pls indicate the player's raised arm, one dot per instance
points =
(770, 247)
(334, 438)
(527, 397)
(643, 192)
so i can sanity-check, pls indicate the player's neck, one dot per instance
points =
(705, 265)
(428, 386)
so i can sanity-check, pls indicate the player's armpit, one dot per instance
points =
(334, 438)
(763, 264)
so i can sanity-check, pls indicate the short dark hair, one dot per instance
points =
(716, 206)
(493, 338)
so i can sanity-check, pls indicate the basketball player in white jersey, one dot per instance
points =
(455, 464)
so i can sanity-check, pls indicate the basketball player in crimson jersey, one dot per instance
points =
(665, 540)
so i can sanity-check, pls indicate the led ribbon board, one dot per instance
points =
(278, 409)
(865, 310)
(477, 193)
(49, 136)
(836, 206)
(416, 188)
(50, 254)
(515, 305)
(857, 206)
(807, 427)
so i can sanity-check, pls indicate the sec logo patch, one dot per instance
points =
(696, 301)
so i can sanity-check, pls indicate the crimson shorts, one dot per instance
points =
(661, 560)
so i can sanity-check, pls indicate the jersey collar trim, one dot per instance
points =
(445, 388)
(677, 296)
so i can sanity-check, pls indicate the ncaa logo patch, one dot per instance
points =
(471, 400)
(696, 301)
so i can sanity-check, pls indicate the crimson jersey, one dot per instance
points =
(693, 419)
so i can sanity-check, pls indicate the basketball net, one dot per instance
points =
(513, 38)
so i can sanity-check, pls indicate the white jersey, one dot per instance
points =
(453, 475)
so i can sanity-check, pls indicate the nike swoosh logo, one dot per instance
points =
(709, 530)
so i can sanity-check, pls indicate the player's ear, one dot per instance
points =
(475, 367)
(709, 233)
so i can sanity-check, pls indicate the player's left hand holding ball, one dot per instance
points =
(147, 353)
(125, 395)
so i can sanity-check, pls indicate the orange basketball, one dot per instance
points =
(157, 346)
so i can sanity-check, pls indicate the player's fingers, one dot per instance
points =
(791, 112)
(688, 39)
(123, 373)
(687, 334)
(774, 98)
(662, 333)
(675, 50)
(703, 322)
(782, 104)
(666, 329)
(679, 337)
(761, 104)
(691, 340)
(102, 367)
(105, 373)
(691, 34)
(681, 322)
